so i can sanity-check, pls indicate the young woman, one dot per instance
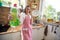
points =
(27, 25)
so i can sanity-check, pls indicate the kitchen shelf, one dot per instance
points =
(4, 14)
(32, 3)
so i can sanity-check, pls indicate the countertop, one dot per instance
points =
(18, 29)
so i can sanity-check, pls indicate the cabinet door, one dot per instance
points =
(40, 33)
(4, 15)
(0, 8)
(16, 36)
(34, 34)
(11, 36)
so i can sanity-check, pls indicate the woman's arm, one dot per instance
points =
(19, 15)
(10, 17)
(22, 17)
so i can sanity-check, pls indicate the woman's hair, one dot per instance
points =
(26, 7)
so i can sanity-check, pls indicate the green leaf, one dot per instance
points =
(49, 11)
(14, 10)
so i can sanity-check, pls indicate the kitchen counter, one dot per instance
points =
(16, 33)
(18, 29)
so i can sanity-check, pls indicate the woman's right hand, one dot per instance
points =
(10, 17)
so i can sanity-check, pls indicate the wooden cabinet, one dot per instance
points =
(4, 15)
(34, 5)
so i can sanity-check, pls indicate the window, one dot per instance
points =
(23, 3)
(51, 8)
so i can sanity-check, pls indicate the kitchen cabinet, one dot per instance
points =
(40, 33)
(10, 36)
(34, 34)
(4, 15)
(4, 11)
(37, 34)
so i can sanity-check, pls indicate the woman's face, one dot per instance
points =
(27, 10)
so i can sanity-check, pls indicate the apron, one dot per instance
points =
(27, 28)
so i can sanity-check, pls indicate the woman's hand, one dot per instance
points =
(18, 16)
(10, 17)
